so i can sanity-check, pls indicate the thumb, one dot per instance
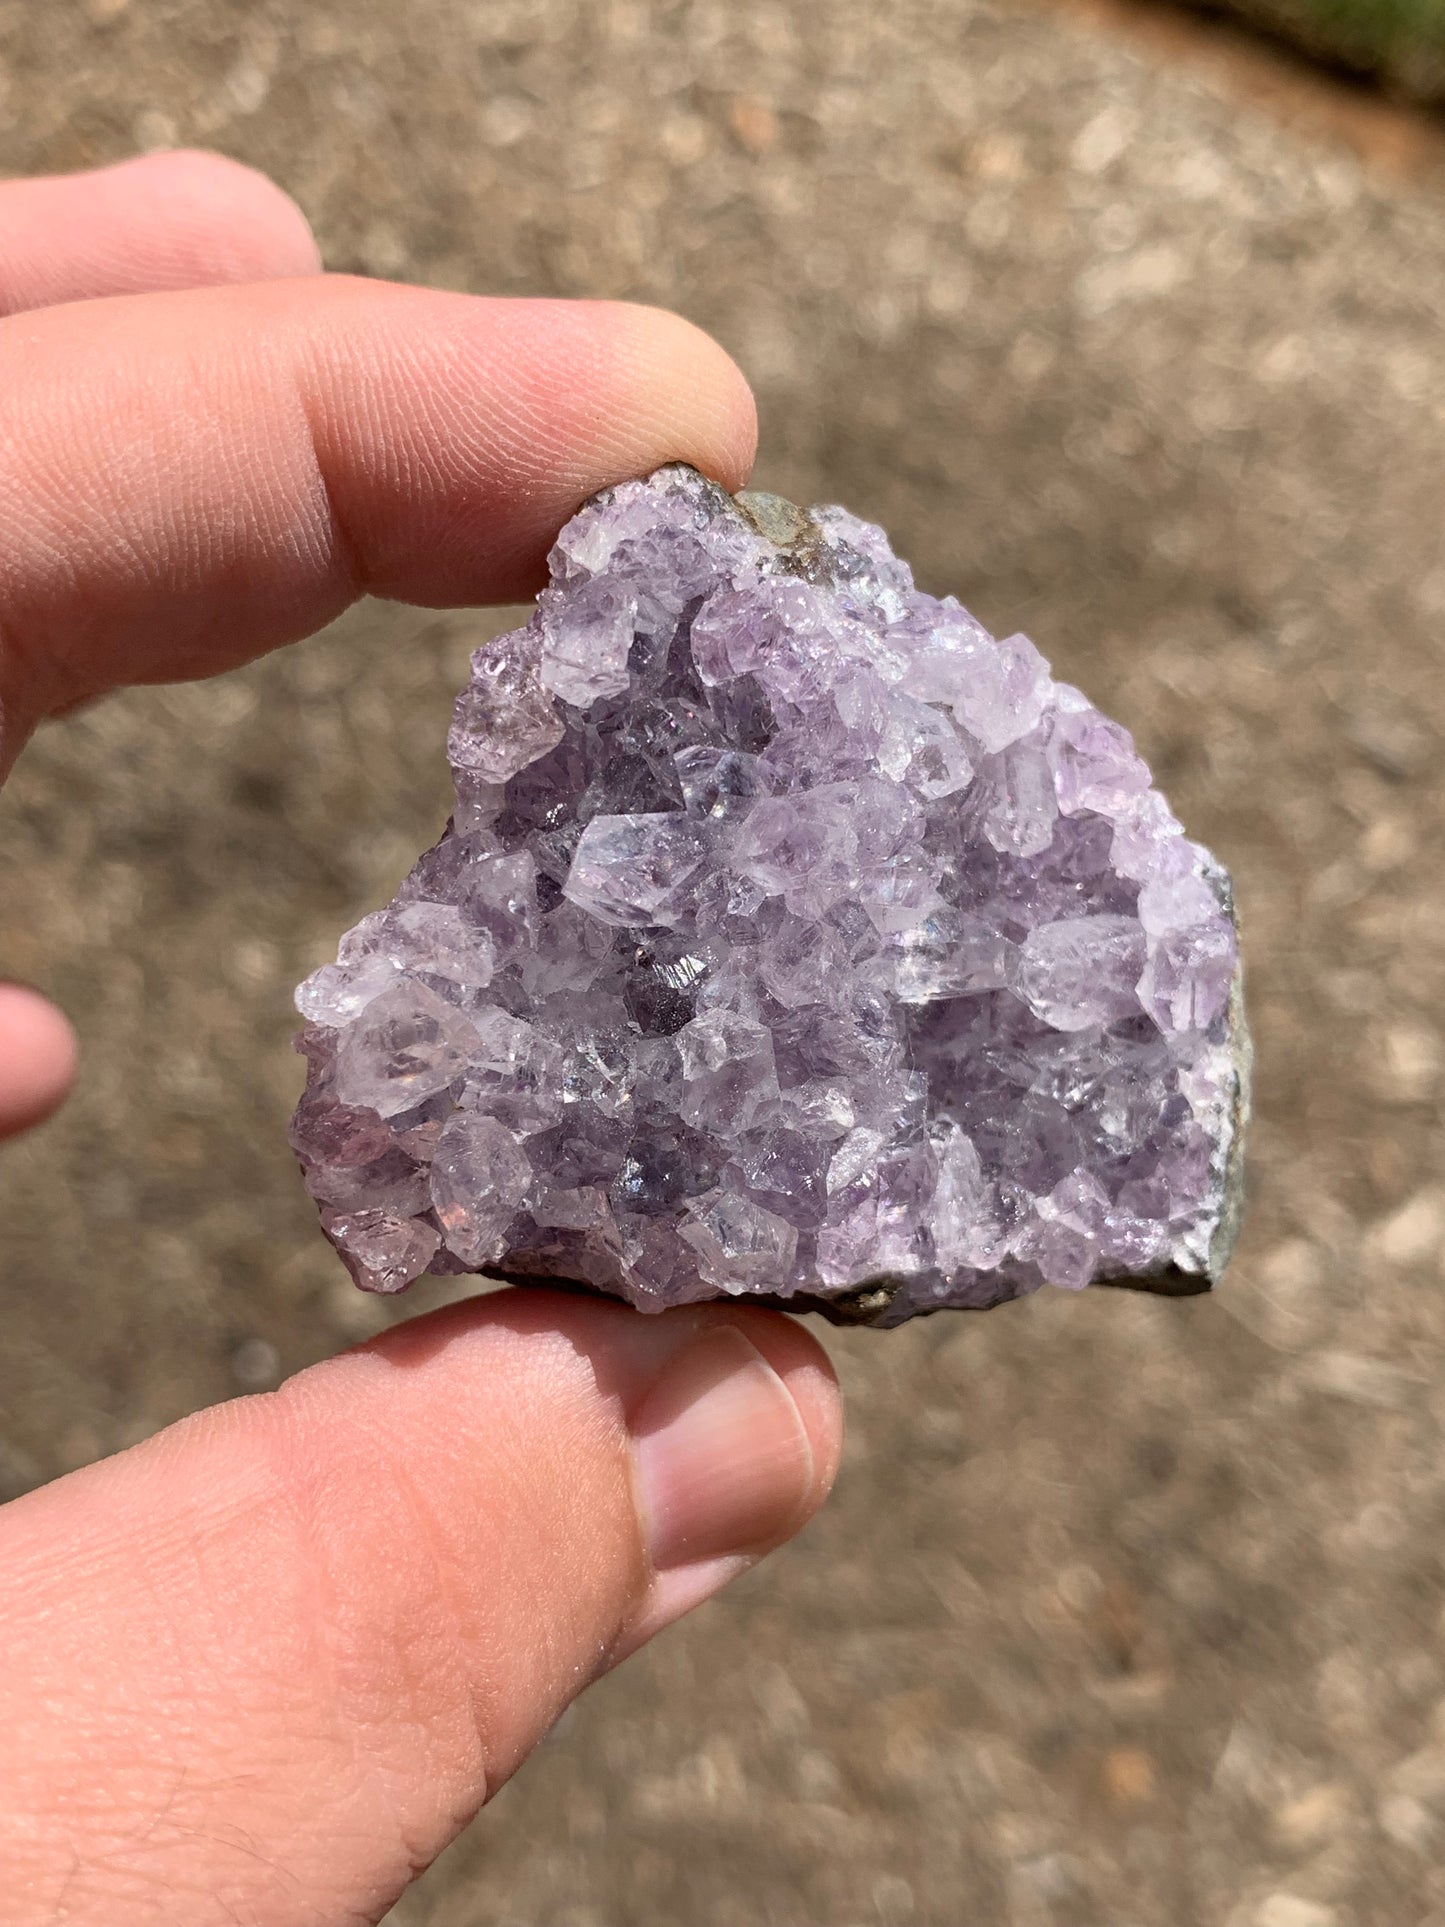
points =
(264, 1666)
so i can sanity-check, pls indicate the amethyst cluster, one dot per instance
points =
(792, 938)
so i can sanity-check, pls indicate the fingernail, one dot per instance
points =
(724, 1462)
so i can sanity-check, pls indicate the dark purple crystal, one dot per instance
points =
(792, 938)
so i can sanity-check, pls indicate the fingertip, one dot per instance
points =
(807, 1371)
(341, 436)
(737, 1444)
(209, 198)
(690, 400)
(37, 1058)
(157, 222)
(423, 1549)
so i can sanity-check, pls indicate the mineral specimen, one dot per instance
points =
(792, 938)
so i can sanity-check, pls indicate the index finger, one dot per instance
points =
(188, 480)
(175, 220)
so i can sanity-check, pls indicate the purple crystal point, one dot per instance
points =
(792, 939)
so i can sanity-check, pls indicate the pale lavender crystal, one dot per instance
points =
(637, 870)
(792, 938)
(737, 1242)
(406, 1045)
(1081, 972)
(338, 993)
(479, 1177)
(382, 1251)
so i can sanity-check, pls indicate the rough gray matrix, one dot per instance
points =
(793, 938)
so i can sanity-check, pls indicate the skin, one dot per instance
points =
(264, 1667)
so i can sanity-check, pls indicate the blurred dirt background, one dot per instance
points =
(1126, 1613)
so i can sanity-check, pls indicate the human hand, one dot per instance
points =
(263, 1667)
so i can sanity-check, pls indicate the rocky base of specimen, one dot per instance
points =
(793, 939)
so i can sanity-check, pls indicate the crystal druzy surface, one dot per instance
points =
(793, 937)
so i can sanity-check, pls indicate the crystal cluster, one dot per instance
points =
(792, 937)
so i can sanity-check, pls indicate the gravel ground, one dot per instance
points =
(1126, 1612)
